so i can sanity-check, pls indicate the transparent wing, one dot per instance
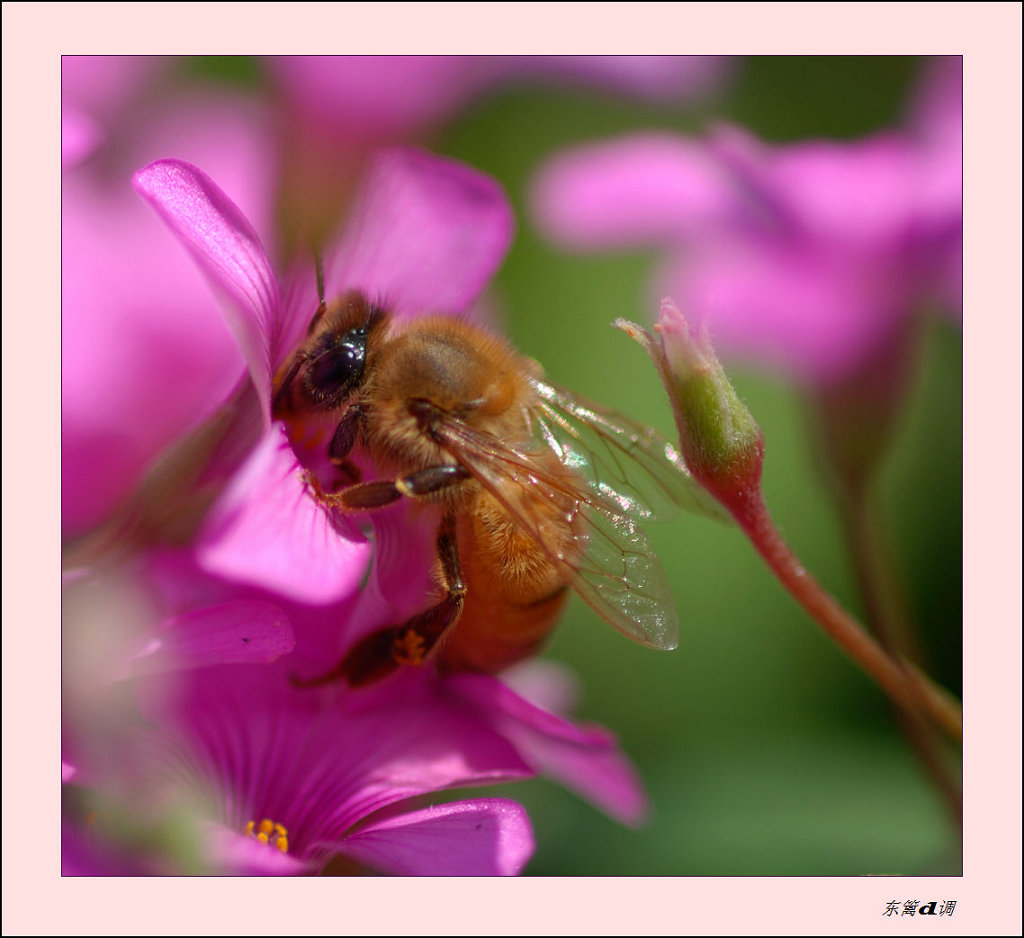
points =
(626, 462)
(595, 541)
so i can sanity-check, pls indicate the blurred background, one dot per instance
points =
(764, 750)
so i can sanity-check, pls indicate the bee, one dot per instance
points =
(536, 491)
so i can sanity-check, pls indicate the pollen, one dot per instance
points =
(269, 832)
(408, 648)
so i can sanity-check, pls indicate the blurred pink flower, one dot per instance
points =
(228, 748)
(104, 86)
(226, 738)
(385, 97)
(804, 257)
(333, 109)
(79, 136)
(143, 357)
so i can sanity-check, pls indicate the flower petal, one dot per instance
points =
(402, 738)
(856, 195)
(367, 97)
(245, 631)
(318, 762)
(426, 235)
(103, 84)
(266, 530)
(232, 854)
(83, 853)
(402, 581)
(145, 353)
(228, 250)
(586, 759)
(78, 137)
(544, 683)
(488, 837)
(781, 306)
(639, 189)
(666, 78)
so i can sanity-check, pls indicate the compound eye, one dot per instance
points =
(336, 367)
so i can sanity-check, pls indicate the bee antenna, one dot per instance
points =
(319, 258)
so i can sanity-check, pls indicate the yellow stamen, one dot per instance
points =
(269, 832)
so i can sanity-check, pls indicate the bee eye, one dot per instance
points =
(336, 367)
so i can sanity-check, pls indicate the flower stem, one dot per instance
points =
(905, 684)
(724, 449)
(887, 618)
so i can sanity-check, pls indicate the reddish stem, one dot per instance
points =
(907, 686)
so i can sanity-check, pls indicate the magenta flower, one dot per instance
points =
(122, 625)
(143, 357)
(79, 136)
(264, 779)
(105, 86)
(327, 773)
(523, 708)
(334, 109)
(383, 97)
(426, 234)
(805, 257)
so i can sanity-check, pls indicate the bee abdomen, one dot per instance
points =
(514, 594)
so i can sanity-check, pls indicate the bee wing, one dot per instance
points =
(627, 462)
(614, 568)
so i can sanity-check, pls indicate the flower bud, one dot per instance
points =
(719, 438)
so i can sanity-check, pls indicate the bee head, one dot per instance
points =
(330, 364)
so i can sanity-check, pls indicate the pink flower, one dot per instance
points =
(334, 109)
(523, 708)
(227, 739)
(106, 86)
(804, 257)
(383, 97)
(230, 752)
(426, 234)
(122, 625)
(144, 359)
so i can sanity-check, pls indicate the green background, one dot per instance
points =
(764, 750)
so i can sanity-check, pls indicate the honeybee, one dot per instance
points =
(536, 491)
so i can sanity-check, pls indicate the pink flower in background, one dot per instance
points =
(332, 110)
(105, 86)
(79, 136)
(938, 126)
(383, 97)
(144, 357)
(804, 257)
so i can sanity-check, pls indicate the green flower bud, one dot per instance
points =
(719, 438)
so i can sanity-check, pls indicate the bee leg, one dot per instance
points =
(411, 643)
(341, 445)
(384, 651)
(281, 402)
(367, 496)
